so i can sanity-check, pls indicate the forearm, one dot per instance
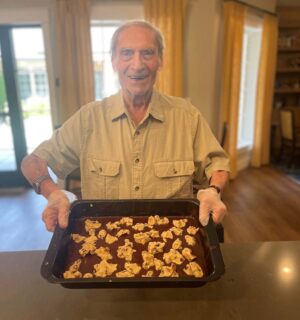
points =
(219, 178)
(34, 167)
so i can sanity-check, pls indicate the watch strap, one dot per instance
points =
(215, 187)
(36, 184)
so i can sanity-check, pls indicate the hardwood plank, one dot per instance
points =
(21, 226)
(263, 205)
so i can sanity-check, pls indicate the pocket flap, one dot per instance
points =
(104, 167)
(173, 168)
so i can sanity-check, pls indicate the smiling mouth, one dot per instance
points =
(141, 77)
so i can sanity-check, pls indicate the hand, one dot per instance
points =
(57, 210)
(210, 203)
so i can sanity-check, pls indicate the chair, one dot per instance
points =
(72, 182)
(290, 136)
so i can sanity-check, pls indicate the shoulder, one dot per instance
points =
(177, 105)
(99, 104)
(99, 107)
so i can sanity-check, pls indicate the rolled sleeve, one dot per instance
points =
(62, 150)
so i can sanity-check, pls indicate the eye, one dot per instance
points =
(148, 53)
(126, 53)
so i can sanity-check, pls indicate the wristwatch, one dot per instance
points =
(215, 187)
(36, 184)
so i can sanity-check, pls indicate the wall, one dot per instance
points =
(288, 3)
(203, 55)
(202, 58)
(117, 9)
(24, 3)
(268, 5)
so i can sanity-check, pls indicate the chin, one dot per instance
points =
(135, 92)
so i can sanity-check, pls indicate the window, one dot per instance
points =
(106, 80)
(249, 73)
(41, 86)
(24, 85)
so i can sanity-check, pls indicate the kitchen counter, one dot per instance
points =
(261, 281)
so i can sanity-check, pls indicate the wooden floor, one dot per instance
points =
(21, 227)
(263, 204)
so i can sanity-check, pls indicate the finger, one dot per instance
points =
(49, 217)
(219, 213)
(204, 214)
(63, 216)
(204, 220)
(217, 217)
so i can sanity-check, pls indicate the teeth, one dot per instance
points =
(138, 77)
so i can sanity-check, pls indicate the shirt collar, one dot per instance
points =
(155, 108)
(117, 107)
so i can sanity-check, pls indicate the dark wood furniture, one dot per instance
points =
(290, 136)
(287, 84)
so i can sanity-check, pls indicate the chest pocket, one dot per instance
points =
(174, 178)
(104, 179)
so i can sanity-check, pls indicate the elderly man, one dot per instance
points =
(137, 144)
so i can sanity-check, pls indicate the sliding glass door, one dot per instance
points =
(25, 118)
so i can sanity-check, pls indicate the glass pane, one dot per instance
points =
(249, 74)
(106, 80)
(7, 154)
(32, 84)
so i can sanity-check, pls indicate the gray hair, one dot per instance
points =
(138, 23)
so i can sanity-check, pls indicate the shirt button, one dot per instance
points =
(175, 171)
(137, 188)
(137, 132)
(100, 169)
(137, 160)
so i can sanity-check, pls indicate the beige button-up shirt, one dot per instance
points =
(157, 159)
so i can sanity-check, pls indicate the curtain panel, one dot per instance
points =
(234, 17)
(168, 16)
(74, 54)
(265, 89)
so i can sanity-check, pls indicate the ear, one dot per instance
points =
(160, 64)
(114, 63)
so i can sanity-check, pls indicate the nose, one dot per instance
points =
(137, 62)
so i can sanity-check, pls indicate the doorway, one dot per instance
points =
(25, 117)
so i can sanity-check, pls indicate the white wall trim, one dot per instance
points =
(23, 15)
(117, 10)
(243, 158)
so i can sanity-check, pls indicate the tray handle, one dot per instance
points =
(214, 245)
(49, 259)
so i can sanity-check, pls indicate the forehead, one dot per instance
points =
(136, 37)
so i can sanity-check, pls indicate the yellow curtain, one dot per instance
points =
(234, 16)
(76, 80)
(168, 16)
(265, 88)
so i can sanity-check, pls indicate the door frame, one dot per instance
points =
(12, 178)
(28, 17)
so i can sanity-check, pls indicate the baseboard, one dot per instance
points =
(11, 191)
(244, 158)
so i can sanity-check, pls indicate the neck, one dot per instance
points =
(137, 101)
(137, 106)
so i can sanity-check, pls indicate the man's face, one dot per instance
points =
(136, 60)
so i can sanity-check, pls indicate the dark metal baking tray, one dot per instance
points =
(54, 263)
